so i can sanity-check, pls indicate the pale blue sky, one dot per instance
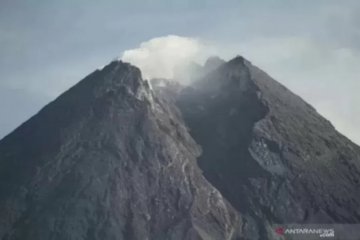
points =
(312, 46)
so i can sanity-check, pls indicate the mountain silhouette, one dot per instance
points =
(227, 157)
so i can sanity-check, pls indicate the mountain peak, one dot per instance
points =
(228, 157)
(120, 74)
(213, 62)
(276, 148)
(238, 60)
(101, 162)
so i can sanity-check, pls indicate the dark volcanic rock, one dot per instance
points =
(270, 153)
(108, 160)
(212, 63)
(113, 159)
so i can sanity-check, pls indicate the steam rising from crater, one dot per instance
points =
(165, 57)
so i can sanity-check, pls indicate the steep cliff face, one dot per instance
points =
(108, 160)
(225, 158)
(270, 153)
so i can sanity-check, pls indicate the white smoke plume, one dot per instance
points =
(162, 57)
(314, 70)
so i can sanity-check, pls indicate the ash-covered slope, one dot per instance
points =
(108, 160)
(270, 153)
(112, 159)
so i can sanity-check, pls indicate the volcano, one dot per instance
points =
(227, 157)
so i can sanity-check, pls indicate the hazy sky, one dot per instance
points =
(311, 46)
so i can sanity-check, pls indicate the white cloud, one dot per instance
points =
(325, 75)
(159, 57)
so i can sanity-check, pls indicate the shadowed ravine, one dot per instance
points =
(221, 120)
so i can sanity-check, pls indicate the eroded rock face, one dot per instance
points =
(108, 160)
(268, 152)
(225, 158)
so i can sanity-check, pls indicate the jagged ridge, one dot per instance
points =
(108, 160)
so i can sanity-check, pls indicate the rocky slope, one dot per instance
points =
(108, 160)
(270, 153)
(225, 158)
